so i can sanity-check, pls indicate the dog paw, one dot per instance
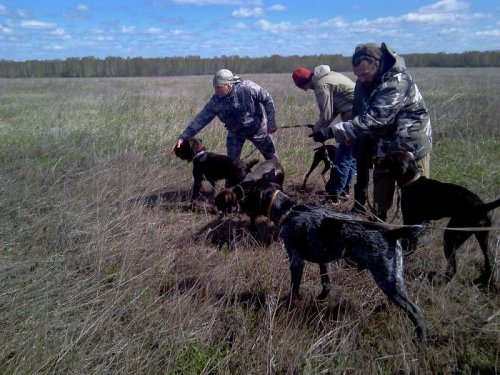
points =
(323, 296)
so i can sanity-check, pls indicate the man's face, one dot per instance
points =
(307, 86)
(222, 90)
(366, 72)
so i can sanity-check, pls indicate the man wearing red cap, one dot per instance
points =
(334, 95)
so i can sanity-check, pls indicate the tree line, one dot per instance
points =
(194, 65)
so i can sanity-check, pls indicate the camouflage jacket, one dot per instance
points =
(394, 113)
(334, 95)
(240, 111)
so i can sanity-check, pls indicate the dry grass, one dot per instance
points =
(103, 270)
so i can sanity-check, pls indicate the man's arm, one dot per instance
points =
(325, 107)
(379, 117)
(265, 98)
(201, 120)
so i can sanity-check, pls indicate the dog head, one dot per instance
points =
(226, 201)
(399, 165)
(189, 148)
(259, 197)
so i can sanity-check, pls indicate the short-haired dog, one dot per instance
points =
(227, 200)
(324, 153)
(424, 199)
(211, 166)
(320, 236)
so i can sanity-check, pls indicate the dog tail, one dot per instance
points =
(251, 164)
(407, 231)
(486, 207)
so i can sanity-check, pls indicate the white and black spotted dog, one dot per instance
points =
(321, 236)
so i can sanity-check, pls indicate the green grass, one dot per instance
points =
(99, 278)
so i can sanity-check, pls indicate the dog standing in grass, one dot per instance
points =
(210, 166)
(320, 236)
(424, 199)
(228, 199)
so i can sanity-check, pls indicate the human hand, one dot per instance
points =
(176, 145)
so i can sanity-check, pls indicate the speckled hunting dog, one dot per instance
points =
(320, 236)
(211, 166)
(424, 199)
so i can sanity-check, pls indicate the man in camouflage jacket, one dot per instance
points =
(391, 111)
(238, 104)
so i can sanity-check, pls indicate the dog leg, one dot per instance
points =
(313, 166)
(389, 277)
(482, 238)
(296, 270)
(196, 190)
(325, 281)
(452, 241)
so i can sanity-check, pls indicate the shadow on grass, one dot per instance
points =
(231, 231)
(161, 198)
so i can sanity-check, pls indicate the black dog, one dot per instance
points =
(424, 199)
(325, 154)
(210, 166)
(227, 200)
(321, 236)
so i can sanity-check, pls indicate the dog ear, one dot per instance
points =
(269, 176)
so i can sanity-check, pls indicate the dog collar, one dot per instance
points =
(198, 154)
(275, 194)
(241, 189)
(415, 178)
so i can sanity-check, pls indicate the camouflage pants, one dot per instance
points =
(261, 140)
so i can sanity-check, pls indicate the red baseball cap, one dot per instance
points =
(301, 76)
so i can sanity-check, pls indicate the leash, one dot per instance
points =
(310, 126)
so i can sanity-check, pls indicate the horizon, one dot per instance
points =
(45, 30)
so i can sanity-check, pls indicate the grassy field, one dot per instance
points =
(104, 271)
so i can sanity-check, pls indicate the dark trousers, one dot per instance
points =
(363, 151)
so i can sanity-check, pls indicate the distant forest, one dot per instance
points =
(195, 65)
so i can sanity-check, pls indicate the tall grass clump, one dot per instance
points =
(105, 271)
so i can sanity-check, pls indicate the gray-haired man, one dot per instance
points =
(238, 104)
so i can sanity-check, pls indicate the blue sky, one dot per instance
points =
(58, 29)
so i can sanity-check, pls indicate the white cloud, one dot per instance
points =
(449, 31)
(274, 28)
(82, 8)
(337, 22)
(217, 2)
(240, 26)
(127, 29)
(248, 12)
(53, 47)
(22, 13)
(277, 8)
(60, 33)
(488, 33)
(3, 9)
(445, 6)
(154, 30)
(6, 30)
(38, 25)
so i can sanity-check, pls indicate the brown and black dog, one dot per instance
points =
(325, 154)
(424, 199)
(211, 166)
(317, 235)
(227, 200)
